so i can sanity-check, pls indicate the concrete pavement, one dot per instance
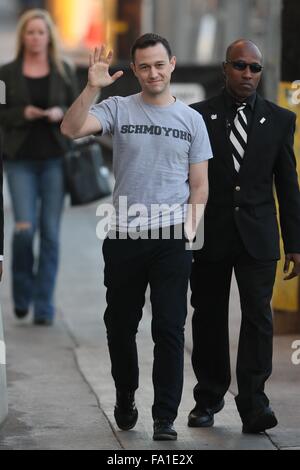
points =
(61, 394)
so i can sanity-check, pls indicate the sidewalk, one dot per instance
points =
(60, 390)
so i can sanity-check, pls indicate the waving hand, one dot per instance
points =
(100, 61)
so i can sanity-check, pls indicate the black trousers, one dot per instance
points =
(130, 265)
(210, 283)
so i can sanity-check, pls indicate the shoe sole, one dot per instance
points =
(43, 322)
(266, 423)
(164, 437)
(192, 423)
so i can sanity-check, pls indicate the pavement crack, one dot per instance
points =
(77, 346)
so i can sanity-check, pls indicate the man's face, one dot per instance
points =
(242, 83)
(153, 69)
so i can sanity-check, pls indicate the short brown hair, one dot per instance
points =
(150, 40)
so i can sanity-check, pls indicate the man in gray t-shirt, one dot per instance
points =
(161, 149)
(153, 149)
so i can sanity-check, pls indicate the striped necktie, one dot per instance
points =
(239, 137)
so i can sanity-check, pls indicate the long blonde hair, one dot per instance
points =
(53, 48)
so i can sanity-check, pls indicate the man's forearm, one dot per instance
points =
(77, 114)
(196, 206)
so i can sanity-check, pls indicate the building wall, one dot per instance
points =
(200, 31)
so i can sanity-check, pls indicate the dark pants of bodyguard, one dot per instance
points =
(130, 265)
(210, 283)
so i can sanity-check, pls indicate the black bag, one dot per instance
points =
(87, 177)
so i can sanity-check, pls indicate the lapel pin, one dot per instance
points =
(214, 117)
(263, 120)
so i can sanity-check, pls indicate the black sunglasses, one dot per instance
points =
(241, 65)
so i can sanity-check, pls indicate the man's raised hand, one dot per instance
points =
(99, 76)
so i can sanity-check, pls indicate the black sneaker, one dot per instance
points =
(126, 413)
(20, 314)
(43, 321)
(164, 430)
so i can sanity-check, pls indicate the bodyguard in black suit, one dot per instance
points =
(252, 141)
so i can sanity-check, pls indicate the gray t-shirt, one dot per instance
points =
(153, 147)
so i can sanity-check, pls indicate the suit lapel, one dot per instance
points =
(256, 136)
(218, 125)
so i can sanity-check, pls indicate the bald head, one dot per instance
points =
(241, 46)
(242, 69)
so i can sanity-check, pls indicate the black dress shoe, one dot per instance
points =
(20, 314)
(164, 430)
(260, 422)
(204, 417)
(126, 413)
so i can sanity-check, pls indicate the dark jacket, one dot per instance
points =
(246, 200)
(63, 92)
(1, 197)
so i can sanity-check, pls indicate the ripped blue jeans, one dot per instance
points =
(37, 192)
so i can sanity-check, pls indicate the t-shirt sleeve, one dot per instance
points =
(106, 113)
(200, 147)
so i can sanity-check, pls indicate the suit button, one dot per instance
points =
(237, 209)
(238, 188)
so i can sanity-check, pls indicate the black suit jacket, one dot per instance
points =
(1, 198)
(246, 200)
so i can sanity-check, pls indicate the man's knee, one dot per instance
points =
(167, 331)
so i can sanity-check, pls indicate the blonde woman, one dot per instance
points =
(40, 87)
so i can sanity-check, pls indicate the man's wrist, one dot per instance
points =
(95, 90)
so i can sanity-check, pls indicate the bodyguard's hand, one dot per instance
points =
(55, 114)
(292, 258)
(189, 232)
(32, 113)
(100, 62)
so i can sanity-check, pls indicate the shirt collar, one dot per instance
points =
(231, 102)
